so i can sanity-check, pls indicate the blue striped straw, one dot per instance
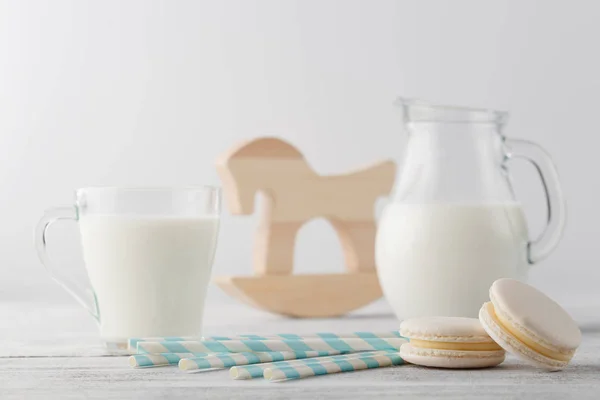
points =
(254, 346)
(321, 335)
(132, 342)
(159, 360)
(226, 360)
(316, 367)
(256, 371)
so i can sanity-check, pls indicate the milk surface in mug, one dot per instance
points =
(149, 273)
(440, 259)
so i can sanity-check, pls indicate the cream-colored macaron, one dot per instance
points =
(449, 342)
(530, 325)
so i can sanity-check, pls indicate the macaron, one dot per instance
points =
(530, 325)
(449, 342)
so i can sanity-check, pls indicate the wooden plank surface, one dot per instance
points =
(36, 331)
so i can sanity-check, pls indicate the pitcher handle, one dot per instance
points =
(542, 246)
(82, 293)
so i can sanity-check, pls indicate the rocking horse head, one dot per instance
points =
(253, 166)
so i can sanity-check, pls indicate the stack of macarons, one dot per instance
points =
(519, 319)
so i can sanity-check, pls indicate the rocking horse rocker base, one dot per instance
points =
(304, 296)
(295, 194)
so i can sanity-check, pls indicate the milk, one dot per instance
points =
(440, 259)
(150, 274)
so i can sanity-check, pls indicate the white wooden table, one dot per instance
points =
(53, 352)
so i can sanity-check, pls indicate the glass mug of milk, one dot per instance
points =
(454, 225)
(148, 253)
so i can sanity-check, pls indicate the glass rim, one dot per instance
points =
(418, 110)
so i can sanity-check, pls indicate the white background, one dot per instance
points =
(149, 93)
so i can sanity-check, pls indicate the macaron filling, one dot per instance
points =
(458, 346)
(513, 331)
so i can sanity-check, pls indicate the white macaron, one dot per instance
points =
(530, 325)
(449, 342)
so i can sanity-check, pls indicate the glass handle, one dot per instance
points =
(541, 247)
(84, 295)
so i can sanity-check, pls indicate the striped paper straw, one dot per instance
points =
(226, 360)
(254, 346)
(276, 374)
(322, 335)
(159, 360)
(132, 342)
(256, 371)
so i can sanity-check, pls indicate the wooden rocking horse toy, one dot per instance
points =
(294, 195)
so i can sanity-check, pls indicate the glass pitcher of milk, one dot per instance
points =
(454, 225)
(148, 253)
